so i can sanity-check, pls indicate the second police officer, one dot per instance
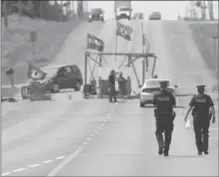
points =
(202, 108)
(164, 114)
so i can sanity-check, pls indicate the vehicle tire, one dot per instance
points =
(102, 20)
(55, 88)
(78, 86)
(90, 21)
(141, 104)
(129, 18)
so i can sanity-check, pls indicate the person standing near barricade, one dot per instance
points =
(202, 108)
(112, 89)
(165, 115)
(121, 81)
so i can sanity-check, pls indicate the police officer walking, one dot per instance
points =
(202, 108)
(164, 114)
(112, 81)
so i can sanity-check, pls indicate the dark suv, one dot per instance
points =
(96, 15)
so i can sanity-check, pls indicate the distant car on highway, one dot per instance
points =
(96, 14)
(155, 16)
(138, 16)
(150, 88)
(123, 13)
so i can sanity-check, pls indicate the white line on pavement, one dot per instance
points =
(93, 134)
(89, 139)
(18, 170)
(63, 163)
(35, 165)
(6, 173)
(84, 143)
(61, 157)
(47, 161)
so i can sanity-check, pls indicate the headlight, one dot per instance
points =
(89, 16)
(101, 15)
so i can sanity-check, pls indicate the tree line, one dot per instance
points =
(36, 9)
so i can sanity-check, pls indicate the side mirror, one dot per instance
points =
(175, 86)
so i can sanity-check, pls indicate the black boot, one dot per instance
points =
(199, 152)
(160, 152)
(206, 152)
(166, 151)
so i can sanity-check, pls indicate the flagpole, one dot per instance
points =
(143, 46)
(116, 41)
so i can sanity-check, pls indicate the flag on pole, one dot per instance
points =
(95, 43)
(143, 40)
(124, 31)
(36, 73)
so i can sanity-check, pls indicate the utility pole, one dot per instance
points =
(61, 11)
(5, 6)
(202, 5)
(203, 8)
(210, 9)
(19, 9)
(187, 11)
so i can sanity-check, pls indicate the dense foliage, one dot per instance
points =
(35, 9)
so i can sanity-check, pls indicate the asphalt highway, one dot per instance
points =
(93, 137)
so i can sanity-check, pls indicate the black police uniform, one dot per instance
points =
(112, 93)
(201, 119)
(164, 114)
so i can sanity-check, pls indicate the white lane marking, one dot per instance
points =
(6, 173)
(100, 127)
(80, 148)
(47, 161)
(93, 134)
(61, 157)
(63, 163)
(35, 165)
(20, 169)
(85, 143)
(89, 138)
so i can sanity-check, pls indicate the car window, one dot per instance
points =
(124, 9)
(96, 11)
(75, 69)
(154, 83)
(62, 72)
(68, 69)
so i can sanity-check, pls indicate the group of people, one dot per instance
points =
(203, 111)
(112, 85)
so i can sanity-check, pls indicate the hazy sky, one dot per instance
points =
(169, 9)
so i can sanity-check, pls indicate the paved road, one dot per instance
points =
(93, 137)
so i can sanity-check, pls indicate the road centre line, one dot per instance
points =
(66, 160)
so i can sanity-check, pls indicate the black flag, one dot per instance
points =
(95, 43)
(124, 31)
